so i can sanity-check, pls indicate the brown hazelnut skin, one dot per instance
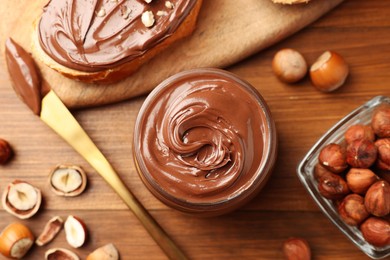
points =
(289, 65)
(383, 160)
(361, 153)
(333, 157)
(359, 131)
(376, 231)
(359, 180)
(5, 151)
(333, 187)
(352, 209)
(377, 199)
(320, 172)
(296, 248)
(380, 121)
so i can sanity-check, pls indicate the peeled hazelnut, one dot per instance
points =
(296, 249)
(21, 199)
(333, 187)
(329, 72)
(383, 160)
(358, 131)
(51, 229)
(320, 172)
(361, 153)
(5, 151)
(359, 180)
(380, 121)
(376, 231)
(352, 209)
(68, 180)
(75, 231)
(289, 65)
(60, 254)
(333, 158)
(107, 252)
(377, 199)
(15, 240)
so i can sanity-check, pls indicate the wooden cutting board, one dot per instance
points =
(227, 32)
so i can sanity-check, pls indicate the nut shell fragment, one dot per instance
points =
(68, 180)
(60, 254)
(51, 229)
(107, 252)
(21, 199)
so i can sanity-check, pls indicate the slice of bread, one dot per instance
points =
(118, 71)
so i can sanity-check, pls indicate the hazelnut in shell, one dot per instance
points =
(376, 231)
(289, 65)
(359, 180)
(296, 248)
(16, 240)
(352, 209)
(5, 151)
(21, 199)
(333, 157)
(359, 131)
(68, 180)
(377, 199)
(333, 187)
(361, 153)
(383, 160)
(329, 71)
(380, 121)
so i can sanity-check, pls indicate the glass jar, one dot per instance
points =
(204, 142)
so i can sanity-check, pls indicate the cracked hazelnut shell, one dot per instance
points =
(106, 252)
(21, 199)
(51, 229)
(60, 254)
(68, 180)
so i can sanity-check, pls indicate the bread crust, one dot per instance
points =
(124, 70)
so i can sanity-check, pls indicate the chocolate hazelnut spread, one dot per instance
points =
(204, 137)
(96, 35)
(24, 75)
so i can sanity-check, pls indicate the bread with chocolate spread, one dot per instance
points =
(104, 41)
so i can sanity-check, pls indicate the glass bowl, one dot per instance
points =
(361, 115)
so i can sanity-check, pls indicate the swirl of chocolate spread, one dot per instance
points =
(204, 137)
(96, 35)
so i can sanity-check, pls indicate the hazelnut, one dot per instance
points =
(376, 231)
(359, 180)
(358, 131)
(383, 160)
(333, 187)
(333, 157)
(16, 240)
(5, 151)
(60, 254)
(329, 72)
(51, 229)
(320, 172)
(296, 249)
(68, 180)
(361, 153)
(352, 209)
(289, 65)
(21, 199)
(380, 121)
(75, 231)
(377, 199)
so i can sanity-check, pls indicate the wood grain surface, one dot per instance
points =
(359, 30)
(227, 31)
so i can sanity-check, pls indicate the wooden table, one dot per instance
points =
(359, 30)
